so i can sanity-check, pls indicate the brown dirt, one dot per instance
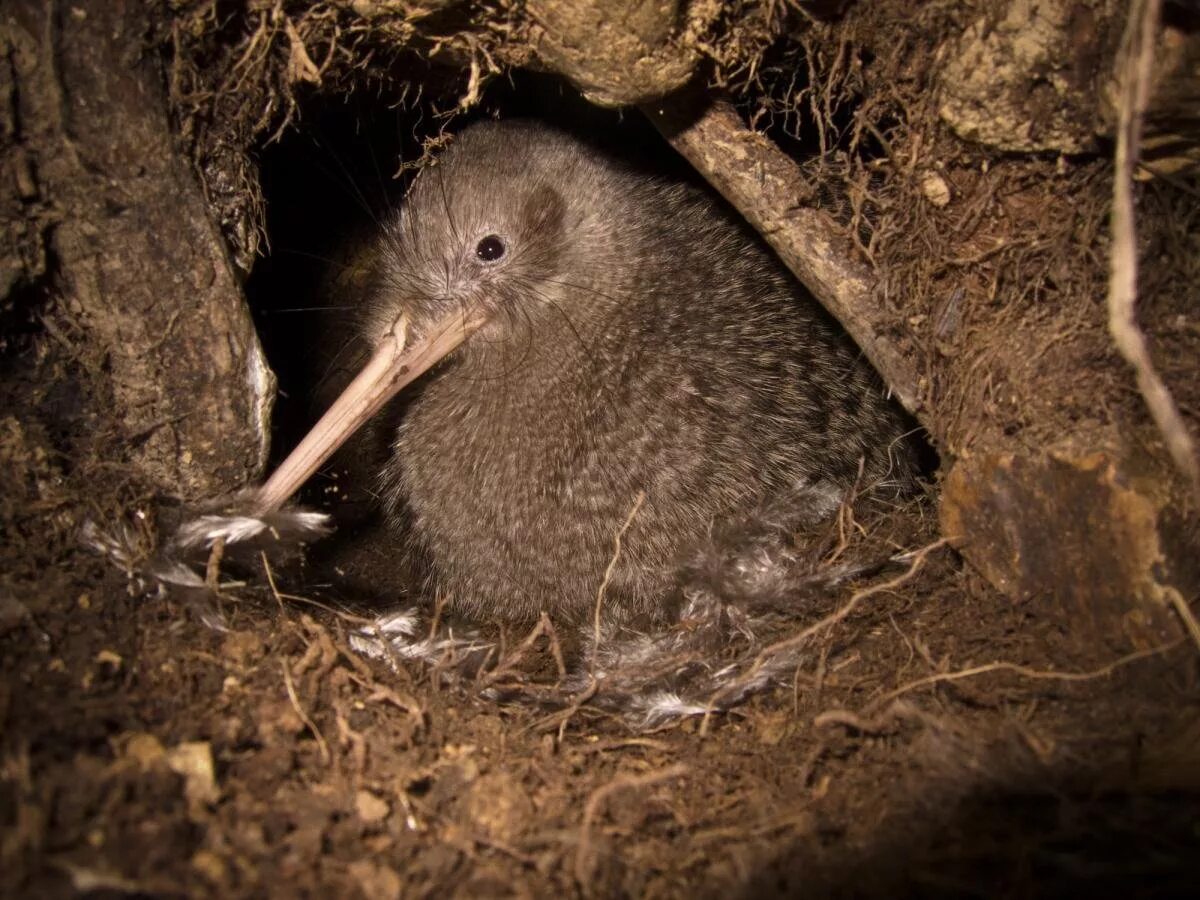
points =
(146, 753)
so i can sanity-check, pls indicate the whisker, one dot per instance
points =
(446, 205)
(305, 254)
(553, 304)
(347, 181)
(582, 287)
(308, 309)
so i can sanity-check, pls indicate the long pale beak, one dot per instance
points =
(392, 367)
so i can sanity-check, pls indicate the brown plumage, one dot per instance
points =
(642, 341)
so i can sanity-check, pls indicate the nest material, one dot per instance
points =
(730, 636)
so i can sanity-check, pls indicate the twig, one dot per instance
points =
(291, 692)
(1138, 45)
(513, 658)
(612, 565)
(607, 746)
(560, 719)
(852, 720)
(1185, 613)
(212, 569)
(598, 796)
(556, 651)
(1026, 672)
(767, 188)
(270, 579)
(769, 653)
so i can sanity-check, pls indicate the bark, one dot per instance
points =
(148, 296)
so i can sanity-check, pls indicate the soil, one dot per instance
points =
(934, 742)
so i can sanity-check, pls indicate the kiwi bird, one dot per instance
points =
(628, 359)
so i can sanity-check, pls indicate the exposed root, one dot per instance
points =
(1184, 611)
(308, 723)
(1140, 40)
(1024, 671)
(584, 863)
(612, 564)
(772, 194)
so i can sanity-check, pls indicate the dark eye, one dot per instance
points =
(490, 248)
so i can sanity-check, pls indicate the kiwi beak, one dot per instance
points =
(393, 366)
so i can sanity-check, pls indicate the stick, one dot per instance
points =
(765, 186)
(1139, 41)
(612, 564)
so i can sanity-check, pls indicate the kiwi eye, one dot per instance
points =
(490, 248)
